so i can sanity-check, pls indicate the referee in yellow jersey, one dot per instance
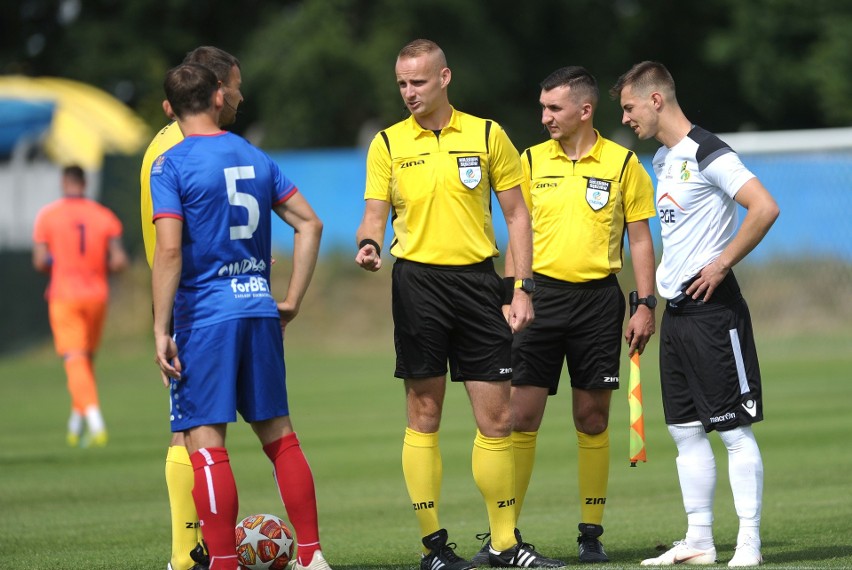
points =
(583, 192)
(435, 171)
(187, 549)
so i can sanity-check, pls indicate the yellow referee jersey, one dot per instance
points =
(580, 207)
(168, 137)
(439, 187)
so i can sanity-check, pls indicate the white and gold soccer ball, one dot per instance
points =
(264, 542)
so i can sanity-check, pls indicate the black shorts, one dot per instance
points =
(579, 323)
(450, 314)
(708, 362)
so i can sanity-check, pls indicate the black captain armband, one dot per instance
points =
(368, 241)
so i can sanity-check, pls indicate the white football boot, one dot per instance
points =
(682, 553)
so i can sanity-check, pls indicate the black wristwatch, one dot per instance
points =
(650, 301)
(526, 285)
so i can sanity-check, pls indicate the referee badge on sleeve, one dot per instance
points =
(470, 171)
(597, 192)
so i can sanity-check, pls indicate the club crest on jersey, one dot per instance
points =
(157, 167)
(684, 172)
(470, 171)
(597, 193)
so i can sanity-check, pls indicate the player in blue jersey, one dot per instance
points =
(213, 193)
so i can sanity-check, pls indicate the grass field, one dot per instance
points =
(71, 509)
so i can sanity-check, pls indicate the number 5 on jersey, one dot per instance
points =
(243, 200)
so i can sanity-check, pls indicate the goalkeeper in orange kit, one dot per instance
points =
(77, 241)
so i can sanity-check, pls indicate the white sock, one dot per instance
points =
(94, 419)
(696, 469)
(75, 423)
(745, 470)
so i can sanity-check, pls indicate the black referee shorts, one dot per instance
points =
(450, 314)
(709, 369)
(578, 323)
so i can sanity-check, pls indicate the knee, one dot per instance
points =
(495, 423)
(424, 417)
(592, 422)
(523, 420)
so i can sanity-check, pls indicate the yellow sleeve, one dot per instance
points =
(506, 170)
(526, 184)
(378, 170)
(168, 137)
(638, 192)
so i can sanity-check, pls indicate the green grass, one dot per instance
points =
(64, 508)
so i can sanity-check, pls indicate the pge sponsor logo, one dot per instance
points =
(250, 265)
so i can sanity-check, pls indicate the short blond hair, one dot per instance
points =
(420, 47)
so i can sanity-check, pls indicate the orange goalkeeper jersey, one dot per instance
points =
(77, 232)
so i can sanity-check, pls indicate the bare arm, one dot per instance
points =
(761, 213)
(641, 325)
(297, 213)
(520, 248)
(41, 258)
(118, 260)
(165, 277)
(373, 228)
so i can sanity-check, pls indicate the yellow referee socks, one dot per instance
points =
(523, 445)
(494, 473)
(186, 533)
(423, 470)
(593, 475)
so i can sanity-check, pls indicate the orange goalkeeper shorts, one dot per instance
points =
(76, 325)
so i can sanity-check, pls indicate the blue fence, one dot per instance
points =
(814, 191)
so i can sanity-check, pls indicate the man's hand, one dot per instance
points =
(708, 279)
(167, 358)
(287, 311)
(520, 311)
(368, 258)
(640, 327)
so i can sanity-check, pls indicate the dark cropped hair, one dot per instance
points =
(644, 77)
(582, 83)
(189, 88)
(217, 60)
(74, 172)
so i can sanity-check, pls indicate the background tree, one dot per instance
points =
(319, 73)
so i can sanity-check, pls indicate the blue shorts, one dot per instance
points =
(237, 365)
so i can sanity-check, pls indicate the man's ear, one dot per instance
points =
(167, 109)
(446, 77)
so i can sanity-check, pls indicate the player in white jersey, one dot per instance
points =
(708, 362)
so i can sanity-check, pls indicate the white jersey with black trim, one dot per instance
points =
(697, 180)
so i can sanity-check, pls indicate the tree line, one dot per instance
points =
(319, 73)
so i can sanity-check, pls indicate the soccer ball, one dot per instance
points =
(263, 542)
